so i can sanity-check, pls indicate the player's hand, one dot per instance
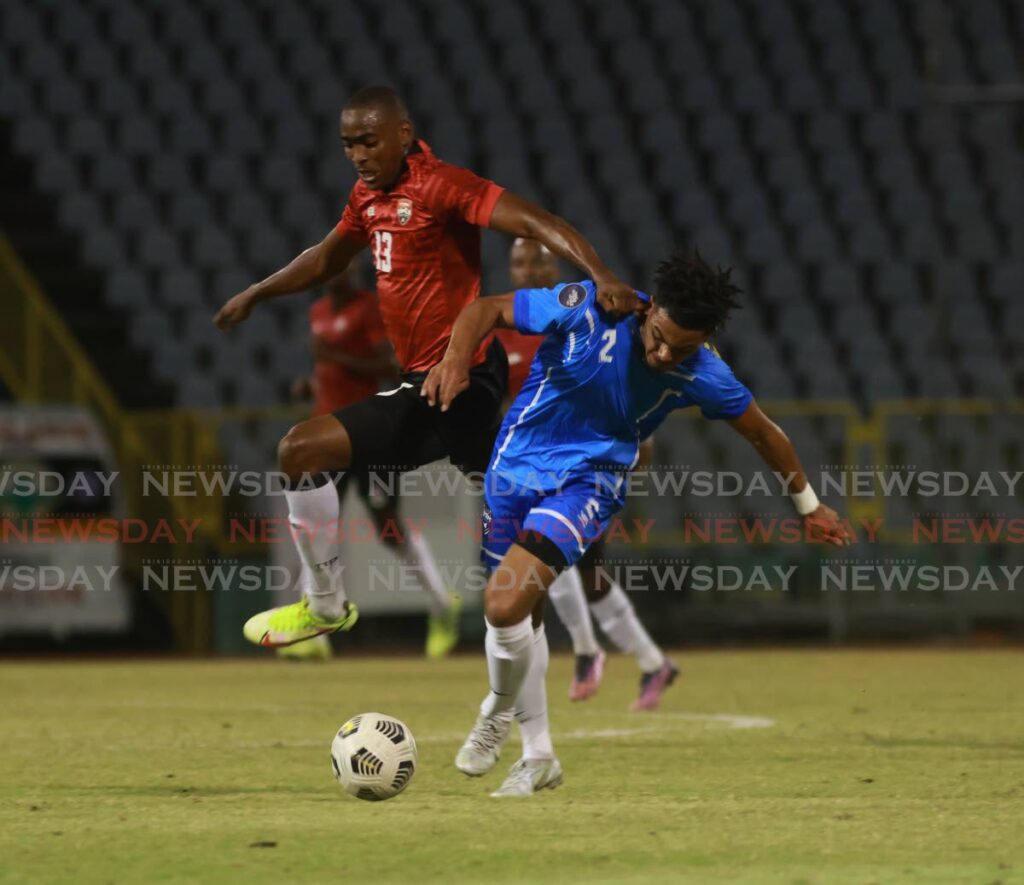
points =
(235, 311)
(444, 382)
(616, 297)
(824, 526)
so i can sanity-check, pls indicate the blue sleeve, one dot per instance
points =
(569, 307)
(718, 392)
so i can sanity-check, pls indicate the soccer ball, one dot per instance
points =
(373, 756)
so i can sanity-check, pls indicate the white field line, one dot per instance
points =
(711, 720)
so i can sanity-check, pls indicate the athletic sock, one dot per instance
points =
(532, 703)
(314, 515)
(508, 659)
(417, 554)
(617, 617)
(570, 602)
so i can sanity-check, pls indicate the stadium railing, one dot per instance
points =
(41, 362)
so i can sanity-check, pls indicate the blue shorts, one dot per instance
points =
(572, 517)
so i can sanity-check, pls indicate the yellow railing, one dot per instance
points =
(42, 362)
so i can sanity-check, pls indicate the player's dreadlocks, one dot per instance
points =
(695, 295)
(379, 98)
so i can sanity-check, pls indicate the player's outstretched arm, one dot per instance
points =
(778, 453)
(315, 265)
(522, 218)
(450, 377)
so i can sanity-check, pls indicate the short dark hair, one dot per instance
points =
(378, 98)
(695, 295)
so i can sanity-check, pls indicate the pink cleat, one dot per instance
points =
(589, 670)
(653, 685)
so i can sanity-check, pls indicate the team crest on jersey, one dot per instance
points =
(572, 295)
(371, 212)
(404, 212)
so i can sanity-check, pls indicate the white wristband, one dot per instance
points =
(805, 501)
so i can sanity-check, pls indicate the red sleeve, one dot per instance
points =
(465, 195)
(351, 225)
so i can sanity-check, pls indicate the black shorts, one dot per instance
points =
(398, 430)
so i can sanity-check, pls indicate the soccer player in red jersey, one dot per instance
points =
(531, 266)
(420, 218)
(352, 359)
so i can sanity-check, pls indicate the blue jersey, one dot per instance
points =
(590, 396)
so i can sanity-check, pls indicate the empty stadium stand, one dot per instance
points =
(825, 148)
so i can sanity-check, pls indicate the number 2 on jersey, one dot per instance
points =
(382, 250)
(609, 342)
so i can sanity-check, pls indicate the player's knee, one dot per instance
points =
(298, 453)
(500, 608)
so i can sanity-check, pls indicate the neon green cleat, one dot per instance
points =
(443, 630)
(293, 623)
(316, 649)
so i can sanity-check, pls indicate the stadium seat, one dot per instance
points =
(193, 149)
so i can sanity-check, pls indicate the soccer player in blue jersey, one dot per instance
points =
(598, 385)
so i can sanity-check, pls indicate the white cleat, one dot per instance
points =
(529, 776)
(482, 749)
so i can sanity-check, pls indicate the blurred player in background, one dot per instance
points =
(598, 385)
(351, 361)
(532, 266)
(420, 217)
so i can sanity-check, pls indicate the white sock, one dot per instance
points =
(617, 617)
(570, 602)
(314, 514)
(417, 554)
(532, 703)
(508, 659)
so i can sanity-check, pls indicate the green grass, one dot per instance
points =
(885, 767)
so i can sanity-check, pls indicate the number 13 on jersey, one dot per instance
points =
(382, 250)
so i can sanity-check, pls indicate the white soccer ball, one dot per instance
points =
(373, 756)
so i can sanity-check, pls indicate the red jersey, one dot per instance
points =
(424, 235)
(356, 328)
(520, 349)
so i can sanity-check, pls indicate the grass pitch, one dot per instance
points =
(862, 767)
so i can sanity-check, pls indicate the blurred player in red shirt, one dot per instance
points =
(531, 266)
(420, 218)
(352, 359)
(351, 354)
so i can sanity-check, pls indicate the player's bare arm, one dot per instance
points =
(450, 377)
(310, 268)
(522, 218)
(778, 453)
